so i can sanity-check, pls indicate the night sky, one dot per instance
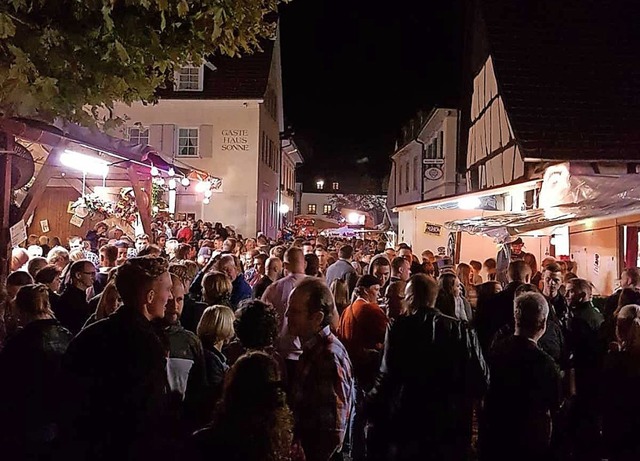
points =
(354, 74)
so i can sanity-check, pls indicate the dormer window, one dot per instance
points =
(189, 78)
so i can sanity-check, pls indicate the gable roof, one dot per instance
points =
(233, 78)
(569, 74)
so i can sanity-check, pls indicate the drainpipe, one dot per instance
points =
(282, 146)
(422, 151)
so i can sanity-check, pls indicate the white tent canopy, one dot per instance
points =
(564, 199)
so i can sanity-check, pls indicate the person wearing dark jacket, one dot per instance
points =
(240, 288)
(426, 410)
(525, 389)
(214, 330)
(498, 311)
(552, 340)
(583, 337)
(30, 364)
(116, 399)
(72, 309)
(621, 381)
(185, 365)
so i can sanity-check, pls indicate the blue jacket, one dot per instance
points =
(240, 291)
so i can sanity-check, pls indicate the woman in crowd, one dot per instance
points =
(107, 305)
(621, 407)
(215, 329)
(32, 358)
(50, 277)
(450, 301)
(467, 288)
(256, 329)
(252, 422)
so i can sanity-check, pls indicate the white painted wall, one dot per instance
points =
(237, 203)
(411, 226)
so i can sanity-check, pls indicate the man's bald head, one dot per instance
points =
(273, 267)
(294, 260)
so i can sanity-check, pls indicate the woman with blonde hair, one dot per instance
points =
(108, 303)
(621, 407)
(215, 329)
(29, 402)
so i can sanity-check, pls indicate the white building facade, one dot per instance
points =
(224, 118)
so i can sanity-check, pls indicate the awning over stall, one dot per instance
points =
(564, 199)
(66, 132)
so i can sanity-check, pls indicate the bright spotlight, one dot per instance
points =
(469, 203)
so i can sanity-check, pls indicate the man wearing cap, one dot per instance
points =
(362, 329)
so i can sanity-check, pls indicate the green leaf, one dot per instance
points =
(106, 17)
(7, 27)
(183, 8)
(122, 52)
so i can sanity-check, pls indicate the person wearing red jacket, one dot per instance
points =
(362, 330)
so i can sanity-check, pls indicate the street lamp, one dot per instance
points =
(284, 209)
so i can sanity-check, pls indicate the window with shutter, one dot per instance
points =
(187, 142)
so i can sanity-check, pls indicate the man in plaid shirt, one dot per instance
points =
(323, 390)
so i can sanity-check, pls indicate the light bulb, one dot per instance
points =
(202, 186)
(154, 171)
(207, 193)
(205, 201)
(185, 182)
(172, 184)
(171, 172)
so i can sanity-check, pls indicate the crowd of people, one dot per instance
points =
(193, 342)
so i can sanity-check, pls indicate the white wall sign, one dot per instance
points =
(76, 221)
(18, 233)
(44, 225)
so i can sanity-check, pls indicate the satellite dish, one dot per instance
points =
(22, 167)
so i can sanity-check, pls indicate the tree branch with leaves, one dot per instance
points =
(73, 59)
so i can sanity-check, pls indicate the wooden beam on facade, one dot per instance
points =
(6, 160)
(39, 186)
(144, 205)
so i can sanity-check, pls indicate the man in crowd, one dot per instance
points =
(185, 365)
(551, 283)
(496, 313)
(525, 389)
(108, 260)
(307, 247)
(323, 390)
(59, 257)
(380, 268)
(405, 252)
(273, 269)
(277, 294)
(584, 341)
(322, 255)
(241, 289)
(426, 411)
(117, 400)
(400, 270)
(342, 268)
(142, 241)
(72, 309)
(123, 248)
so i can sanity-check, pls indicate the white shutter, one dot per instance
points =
(155, 136)
(205, 141)
(168, 146)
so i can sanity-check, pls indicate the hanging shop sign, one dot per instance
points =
(432, 229)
